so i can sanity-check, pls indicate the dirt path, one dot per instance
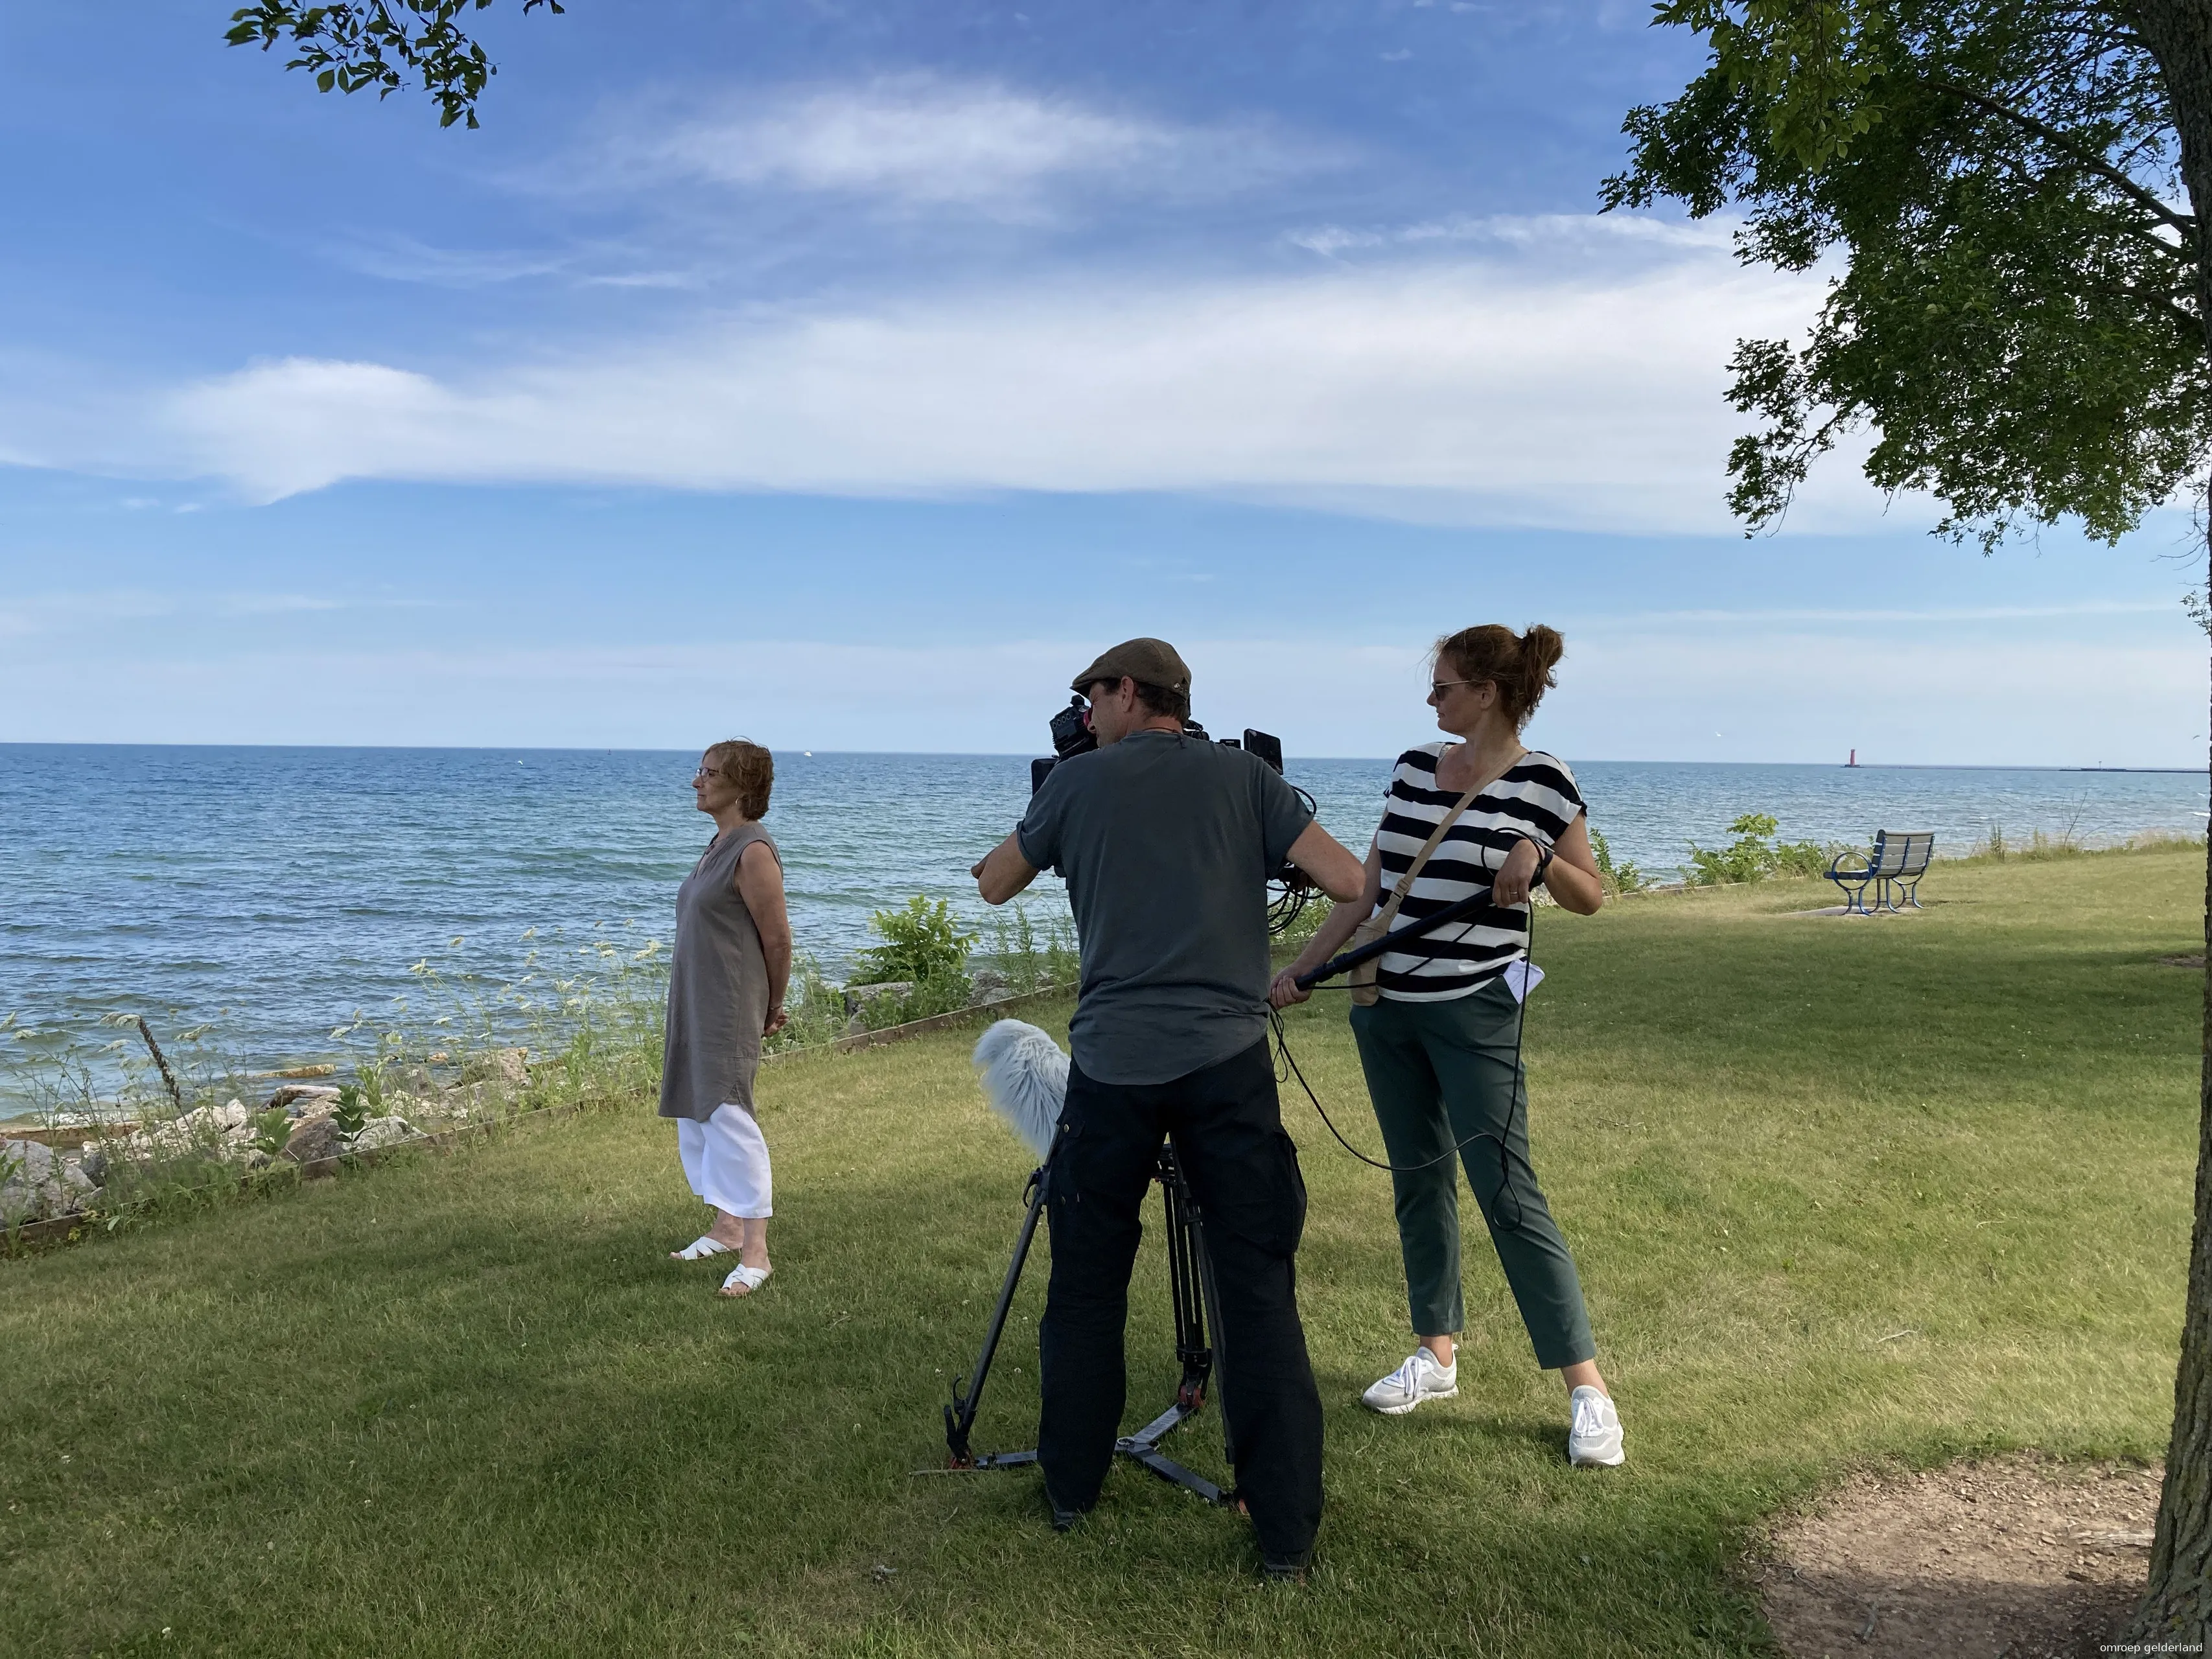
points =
(2020, 1558)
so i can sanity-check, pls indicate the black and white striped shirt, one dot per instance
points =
(1535, 797)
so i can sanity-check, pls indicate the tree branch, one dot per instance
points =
(2183, 222)
(2141, 232)
(2190, 325)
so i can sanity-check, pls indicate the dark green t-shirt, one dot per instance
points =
(1167, 843)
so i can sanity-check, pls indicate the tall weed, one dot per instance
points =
(1029, 959)
(814, 1009)
(1618, 877)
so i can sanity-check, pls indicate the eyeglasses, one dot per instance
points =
(1437, 687)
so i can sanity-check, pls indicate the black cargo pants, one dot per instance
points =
(1228, 1133)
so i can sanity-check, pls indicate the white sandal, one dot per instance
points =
(743, 1280)
(699, 1248)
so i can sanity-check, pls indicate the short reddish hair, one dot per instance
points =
(748, 768)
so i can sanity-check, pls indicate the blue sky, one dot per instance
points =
(846, 375)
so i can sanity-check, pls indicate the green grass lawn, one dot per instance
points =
(1840, 1192)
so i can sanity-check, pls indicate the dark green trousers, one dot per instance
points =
(1440, 1073)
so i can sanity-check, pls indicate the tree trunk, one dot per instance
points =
(2177, 1605)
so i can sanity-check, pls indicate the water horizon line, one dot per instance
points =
(1019, 754)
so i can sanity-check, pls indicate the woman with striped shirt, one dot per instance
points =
(1440, 1045)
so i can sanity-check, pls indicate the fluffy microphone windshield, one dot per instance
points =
(1024, 1077)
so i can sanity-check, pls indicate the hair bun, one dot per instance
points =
(1541, 647)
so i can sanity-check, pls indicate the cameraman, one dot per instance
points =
(1167, 842)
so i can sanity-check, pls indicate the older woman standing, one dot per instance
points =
(1440, 1042)
(725, 987)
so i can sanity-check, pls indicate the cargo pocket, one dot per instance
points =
(1265, 1203)
(1294, 1187)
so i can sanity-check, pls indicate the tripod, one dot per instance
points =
(1191, 1291)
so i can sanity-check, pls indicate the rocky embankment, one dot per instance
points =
(871, 1006)
(299, 1123)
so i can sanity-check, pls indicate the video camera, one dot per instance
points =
(1072, 735)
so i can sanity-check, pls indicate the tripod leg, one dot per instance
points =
(968, 1393)
(1184, 1291)
(1218, 1356)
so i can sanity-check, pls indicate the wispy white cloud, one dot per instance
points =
(1955, 614)
(1555, 236)
(23, 615)
(276, 604)
(923, 142)
(1468, 391)
(404, 260)
(664, 279)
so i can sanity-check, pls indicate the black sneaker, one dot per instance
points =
(1285, 1569)
(1063, 1519)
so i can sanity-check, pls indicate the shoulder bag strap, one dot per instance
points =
(1390, 913)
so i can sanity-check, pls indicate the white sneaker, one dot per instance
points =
(1419, 1378)
(1596, 1438)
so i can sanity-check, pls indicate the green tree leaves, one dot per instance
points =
(350, 45)
(2014, 307)
(1806, 67)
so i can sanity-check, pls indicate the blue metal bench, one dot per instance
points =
(1900, 859)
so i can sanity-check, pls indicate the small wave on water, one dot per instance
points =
(271, 893)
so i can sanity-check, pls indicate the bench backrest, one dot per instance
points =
(1903, 853)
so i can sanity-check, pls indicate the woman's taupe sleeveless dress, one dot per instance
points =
(717, 986)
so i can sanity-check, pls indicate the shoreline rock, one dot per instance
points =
(38, 1184)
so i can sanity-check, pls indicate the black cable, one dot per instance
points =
(1506, 1156)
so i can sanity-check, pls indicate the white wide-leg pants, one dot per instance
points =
(725, 1161)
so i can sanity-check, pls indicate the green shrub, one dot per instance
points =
(921, 942)
(352, 1110)
(1754, 854)
(1619, 879)
(272, 1129)
(1800, 858)
(929, 996)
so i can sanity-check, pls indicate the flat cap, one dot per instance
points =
(1147, 661)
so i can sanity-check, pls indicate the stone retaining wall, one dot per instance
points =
(63, 1228)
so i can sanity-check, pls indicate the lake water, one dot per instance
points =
(276, 890)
